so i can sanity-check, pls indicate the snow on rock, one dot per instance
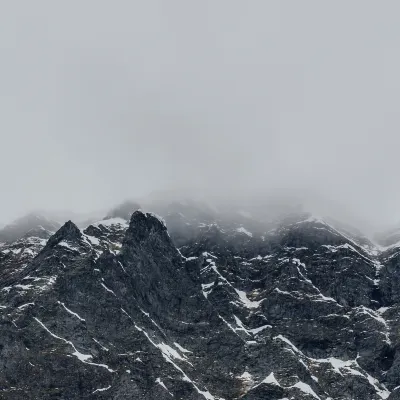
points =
(255, 331)
(80, 356)
(246, 301)
(183, 350)
(305, 388)
(340, 367)
(108, 289)
(245, 231)
(241, 327)
(112, 221)
(270, 379)
(102, 389)
(160, 382)
(205, 288)
(71, 312)
(170, 352)
(102, 347)
(25, 305)
(65, 244)
(91, 239)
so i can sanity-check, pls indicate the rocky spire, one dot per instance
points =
(69, 232)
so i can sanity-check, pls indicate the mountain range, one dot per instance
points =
(184, 301)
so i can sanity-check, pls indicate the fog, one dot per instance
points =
(102, 101)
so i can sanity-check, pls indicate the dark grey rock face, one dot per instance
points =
(241, 310)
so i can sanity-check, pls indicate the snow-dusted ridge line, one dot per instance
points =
(156, 216)
(374, 253)
(237, 305)
(110, 222)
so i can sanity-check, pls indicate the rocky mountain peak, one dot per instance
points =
(204, 306)
(69, 232)
(144, 227)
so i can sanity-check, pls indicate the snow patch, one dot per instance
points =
(160, 382)
(108, 290)
(102, 389)
(71, 312)
(120, 222)
(206, 286)
(270, 379)
(25, 305)
(65, 244)
(255, 331)
(239, 323)
(182, 349)
(245, 231)
(246, 301)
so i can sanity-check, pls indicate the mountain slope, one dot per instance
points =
(241, 310)
(27, 226)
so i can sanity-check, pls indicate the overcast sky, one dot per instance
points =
(105, 100)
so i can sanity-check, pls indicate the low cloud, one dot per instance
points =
(101, 102)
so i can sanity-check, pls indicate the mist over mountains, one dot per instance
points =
(222, 100)
(266, 208)
(184, 300)
(264, 264)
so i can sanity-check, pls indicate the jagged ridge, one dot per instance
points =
(301, 311)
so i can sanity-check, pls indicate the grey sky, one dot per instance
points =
(104, 100)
